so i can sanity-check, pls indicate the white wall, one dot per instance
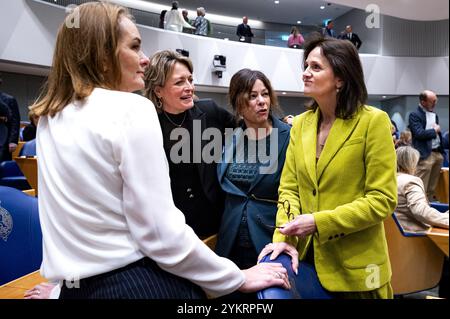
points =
(28, 31)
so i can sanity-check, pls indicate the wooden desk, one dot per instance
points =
(15, 289)
(17, 150)
(28, 166)
(439, 236)
(441, 191)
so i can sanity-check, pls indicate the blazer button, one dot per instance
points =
(191, 196)
(314, 192)
(330, 238)
(342, 235)
(336, 236)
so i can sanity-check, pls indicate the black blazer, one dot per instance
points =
(244, 31)
(354, 39)
(211, 115)
(13, 124)
(421, 138)
(203, 210)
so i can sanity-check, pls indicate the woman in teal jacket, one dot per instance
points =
(250, 170)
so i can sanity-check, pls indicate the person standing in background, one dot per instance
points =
(427, 139)
(244, 32)
(174, 20)
(162, 17)
(200, 23)
(295, 39)
(12, 124)
(3, 128)
(185, 14)
(352, 37)
(328, 31)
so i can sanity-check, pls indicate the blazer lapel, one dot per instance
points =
(196, 114)
(339, 133)
(309, 137)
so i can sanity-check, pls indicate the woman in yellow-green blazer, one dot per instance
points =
(339, 178)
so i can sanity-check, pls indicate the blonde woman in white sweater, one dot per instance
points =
(413, 210)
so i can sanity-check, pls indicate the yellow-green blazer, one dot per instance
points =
(350, 190)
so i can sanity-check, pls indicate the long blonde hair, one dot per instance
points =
(407, 159)
(85, 57)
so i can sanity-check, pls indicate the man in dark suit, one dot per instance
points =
(328, 31)
(352, 37)
(3, 128)
(427, 139)
(12, 124)
(244, 32)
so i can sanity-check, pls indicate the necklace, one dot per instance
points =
(177, 125)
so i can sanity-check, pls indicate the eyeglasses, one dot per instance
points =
(286, 206)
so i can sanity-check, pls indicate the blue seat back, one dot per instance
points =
(20, 234)
(9, 169)
(28, 149)
(442, 207)
(305, 285)
(12, 176)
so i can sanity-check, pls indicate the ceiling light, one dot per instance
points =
(298, 22)
(276, 2)
(384, 96)
(322, 7)
(284, 93)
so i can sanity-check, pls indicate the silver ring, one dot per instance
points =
(278, 275)
(38, 292)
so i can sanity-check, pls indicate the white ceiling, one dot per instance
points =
(309, 12)
(286, 12)
(406, 9)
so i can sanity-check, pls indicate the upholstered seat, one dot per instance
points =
(416, 262)
(20, 234)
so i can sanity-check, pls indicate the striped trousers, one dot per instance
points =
(143, 279)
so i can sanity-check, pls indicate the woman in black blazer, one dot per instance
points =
(192, 167)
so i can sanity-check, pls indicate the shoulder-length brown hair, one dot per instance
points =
(85, 56)
(159, 69)
(241, 85)
(344, 60)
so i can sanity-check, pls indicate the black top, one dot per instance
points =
(13, 123)
(195, 188)
(29, 132)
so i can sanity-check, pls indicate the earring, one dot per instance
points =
(159, 103)
(337, 90)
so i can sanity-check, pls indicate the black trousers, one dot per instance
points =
(143, 279)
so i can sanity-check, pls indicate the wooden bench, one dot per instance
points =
(415, 260)
(16, 289)
(28, 166)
